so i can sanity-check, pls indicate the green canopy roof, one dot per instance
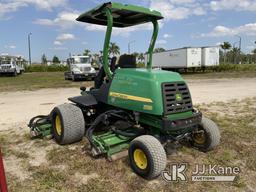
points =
(123, 15)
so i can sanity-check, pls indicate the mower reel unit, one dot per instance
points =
(144, 111)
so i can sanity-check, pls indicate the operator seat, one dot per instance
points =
(101, 89)
(127, 61)
(98, 81)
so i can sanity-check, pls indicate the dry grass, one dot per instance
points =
(37, 80)
(70, 168)
(218, 75)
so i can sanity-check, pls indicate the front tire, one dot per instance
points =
(207, 137)
(14, 73)
(147, 156)
(68, 124)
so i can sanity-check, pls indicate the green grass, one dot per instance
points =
(235, 67)
(37, 80)
(218, 75)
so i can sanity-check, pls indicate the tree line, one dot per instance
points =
(55, 60)
(229, 54)
(114, 50)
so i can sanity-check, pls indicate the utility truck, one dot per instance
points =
(11, 65)
(80, 68)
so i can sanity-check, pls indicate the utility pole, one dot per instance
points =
(234, 44)
(29, 49)
(129, 44)
(240, 43)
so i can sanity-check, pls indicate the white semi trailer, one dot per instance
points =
(210, 56)
(183, 58)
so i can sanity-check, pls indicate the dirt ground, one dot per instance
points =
(16, 108)
(19, 107)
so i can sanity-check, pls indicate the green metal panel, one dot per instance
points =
(140, 89)
(125, 15)
(119, 15)
(110, 143)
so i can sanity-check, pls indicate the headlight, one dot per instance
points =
(92, 70)
(77, 71)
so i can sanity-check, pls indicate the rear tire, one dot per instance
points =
(68, 124)
(209, 138)
(147, 156)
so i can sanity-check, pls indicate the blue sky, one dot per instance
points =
(187, 23)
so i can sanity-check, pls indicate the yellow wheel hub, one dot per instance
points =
(140, 159)
(199, 138)
(58, 125)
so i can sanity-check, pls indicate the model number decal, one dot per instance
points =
(130, 97)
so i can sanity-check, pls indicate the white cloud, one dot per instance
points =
(84, 43)
(250, 47)
(220, 31)
(65, 37)
(8, 6)
(10, 46)
(161, 42)
(58, 48)
(166, 35)
(57, 43)
(64, 20)
(45, 4)
(175, 9)
(181, 1)
(238, 5)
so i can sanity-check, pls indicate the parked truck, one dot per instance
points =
(210, 56)
(80, 68)
(11, 65)
(183, 58)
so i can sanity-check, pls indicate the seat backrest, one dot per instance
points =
(113, 64)
(127, 61)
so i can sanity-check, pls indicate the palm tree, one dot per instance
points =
(234, 52)
(55, 60)
(114, 49)
(225, 46)
(86, 52)
(44, 59)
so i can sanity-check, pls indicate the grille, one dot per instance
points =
(6, 67)
(176, 97)
(85, 69)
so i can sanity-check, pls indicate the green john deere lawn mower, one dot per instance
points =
(144, 112)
